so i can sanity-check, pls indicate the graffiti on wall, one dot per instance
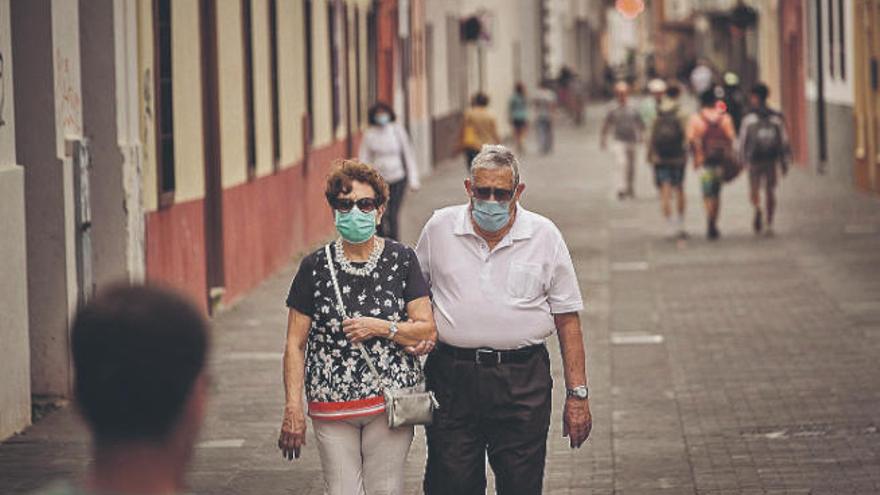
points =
(70, 103)
(148, 110)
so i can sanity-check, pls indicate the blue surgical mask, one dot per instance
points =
(356, 226)
(490, 216)
(383, 118)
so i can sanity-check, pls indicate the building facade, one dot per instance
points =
(189, 145)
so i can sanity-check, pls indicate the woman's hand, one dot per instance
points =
(365, 328)
(293, 433)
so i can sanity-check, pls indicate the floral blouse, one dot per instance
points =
(336, 372)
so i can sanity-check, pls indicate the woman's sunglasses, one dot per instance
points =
(345, 205)
(486, 193)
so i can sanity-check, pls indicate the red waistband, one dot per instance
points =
(347, 410)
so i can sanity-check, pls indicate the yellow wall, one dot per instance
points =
(230, 61)
(262, 86)
(187, 103)
(147, 112)
(189, 159)
(292, 81)
(322, 104)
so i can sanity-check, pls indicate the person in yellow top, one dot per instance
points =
(479, 127)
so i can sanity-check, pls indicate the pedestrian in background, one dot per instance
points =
(734, 99)
(667, 151)
(387, 147)
(479, 127)
(627, 127)
(764, 147)
(518, 114)
(386, 309)
(649, 106)
(140, 384)
(544, 102)
(502, 282)
(702, 77)
(711, 135)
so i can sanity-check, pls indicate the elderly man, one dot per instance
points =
(502, 282)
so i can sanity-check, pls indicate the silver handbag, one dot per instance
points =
(403, 406)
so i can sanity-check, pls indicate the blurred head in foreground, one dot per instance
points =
(139, 357)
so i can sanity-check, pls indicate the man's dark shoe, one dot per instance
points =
(758, 224)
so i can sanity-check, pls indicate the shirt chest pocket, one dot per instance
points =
(524, 280)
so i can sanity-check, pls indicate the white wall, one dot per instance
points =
(15, 392)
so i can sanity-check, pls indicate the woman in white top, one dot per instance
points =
(386, 146)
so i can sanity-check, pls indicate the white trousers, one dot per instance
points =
(362, 456)
(626, 156)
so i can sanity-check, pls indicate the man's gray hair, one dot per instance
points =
(495, 156)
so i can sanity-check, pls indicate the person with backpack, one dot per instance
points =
(628, 128)
(711, 135)
(667, 151)
(764, 147)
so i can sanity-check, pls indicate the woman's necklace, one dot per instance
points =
(372, 261)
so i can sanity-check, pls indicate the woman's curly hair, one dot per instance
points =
(344, 172)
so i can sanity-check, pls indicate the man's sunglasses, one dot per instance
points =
(486, 193)
(345, 205)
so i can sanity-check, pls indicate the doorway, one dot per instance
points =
(213, 174)
(867, 105)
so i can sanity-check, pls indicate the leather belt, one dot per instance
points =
(489, 357)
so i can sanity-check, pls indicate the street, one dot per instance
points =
(747, 365)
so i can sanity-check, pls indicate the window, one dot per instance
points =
(832, 50)
(164, 102)
(841, 41)
(357, 63)
(273, 61)
(835, 15)
(310, 104)
(250, 128)
(333, 39)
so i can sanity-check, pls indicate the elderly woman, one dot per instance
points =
(386, 299)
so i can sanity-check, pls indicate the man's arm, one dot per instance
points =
(577, 420)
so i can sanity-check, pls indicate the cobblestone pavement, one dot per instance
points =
(742, 366)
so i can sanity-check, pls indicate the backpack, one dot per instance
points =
(765, 138)
(668, 136)
(717, 147)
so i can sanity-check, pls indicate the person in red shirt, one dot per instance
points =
(711, 135)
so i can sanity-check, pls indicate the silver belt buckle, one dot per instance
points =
(483, 352)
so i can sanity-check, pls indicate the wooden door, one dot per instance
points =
(867, 107)
(212, 168)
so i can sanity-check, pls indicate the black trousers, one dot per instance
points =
(390, 226)
(499, 410)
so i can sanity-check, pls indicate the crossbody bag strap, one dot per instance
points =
(340, 306)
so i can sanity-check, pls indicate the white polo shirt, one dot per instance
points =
(503, 299)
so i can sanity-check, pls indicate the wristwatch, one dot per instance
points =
(580, 393)
(392, 330)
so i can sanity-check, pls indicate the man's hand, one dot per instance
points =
(423, 347)
(577, 421)
(293, 433)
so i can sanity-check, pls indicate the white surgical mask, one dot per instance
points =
(383, 118)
